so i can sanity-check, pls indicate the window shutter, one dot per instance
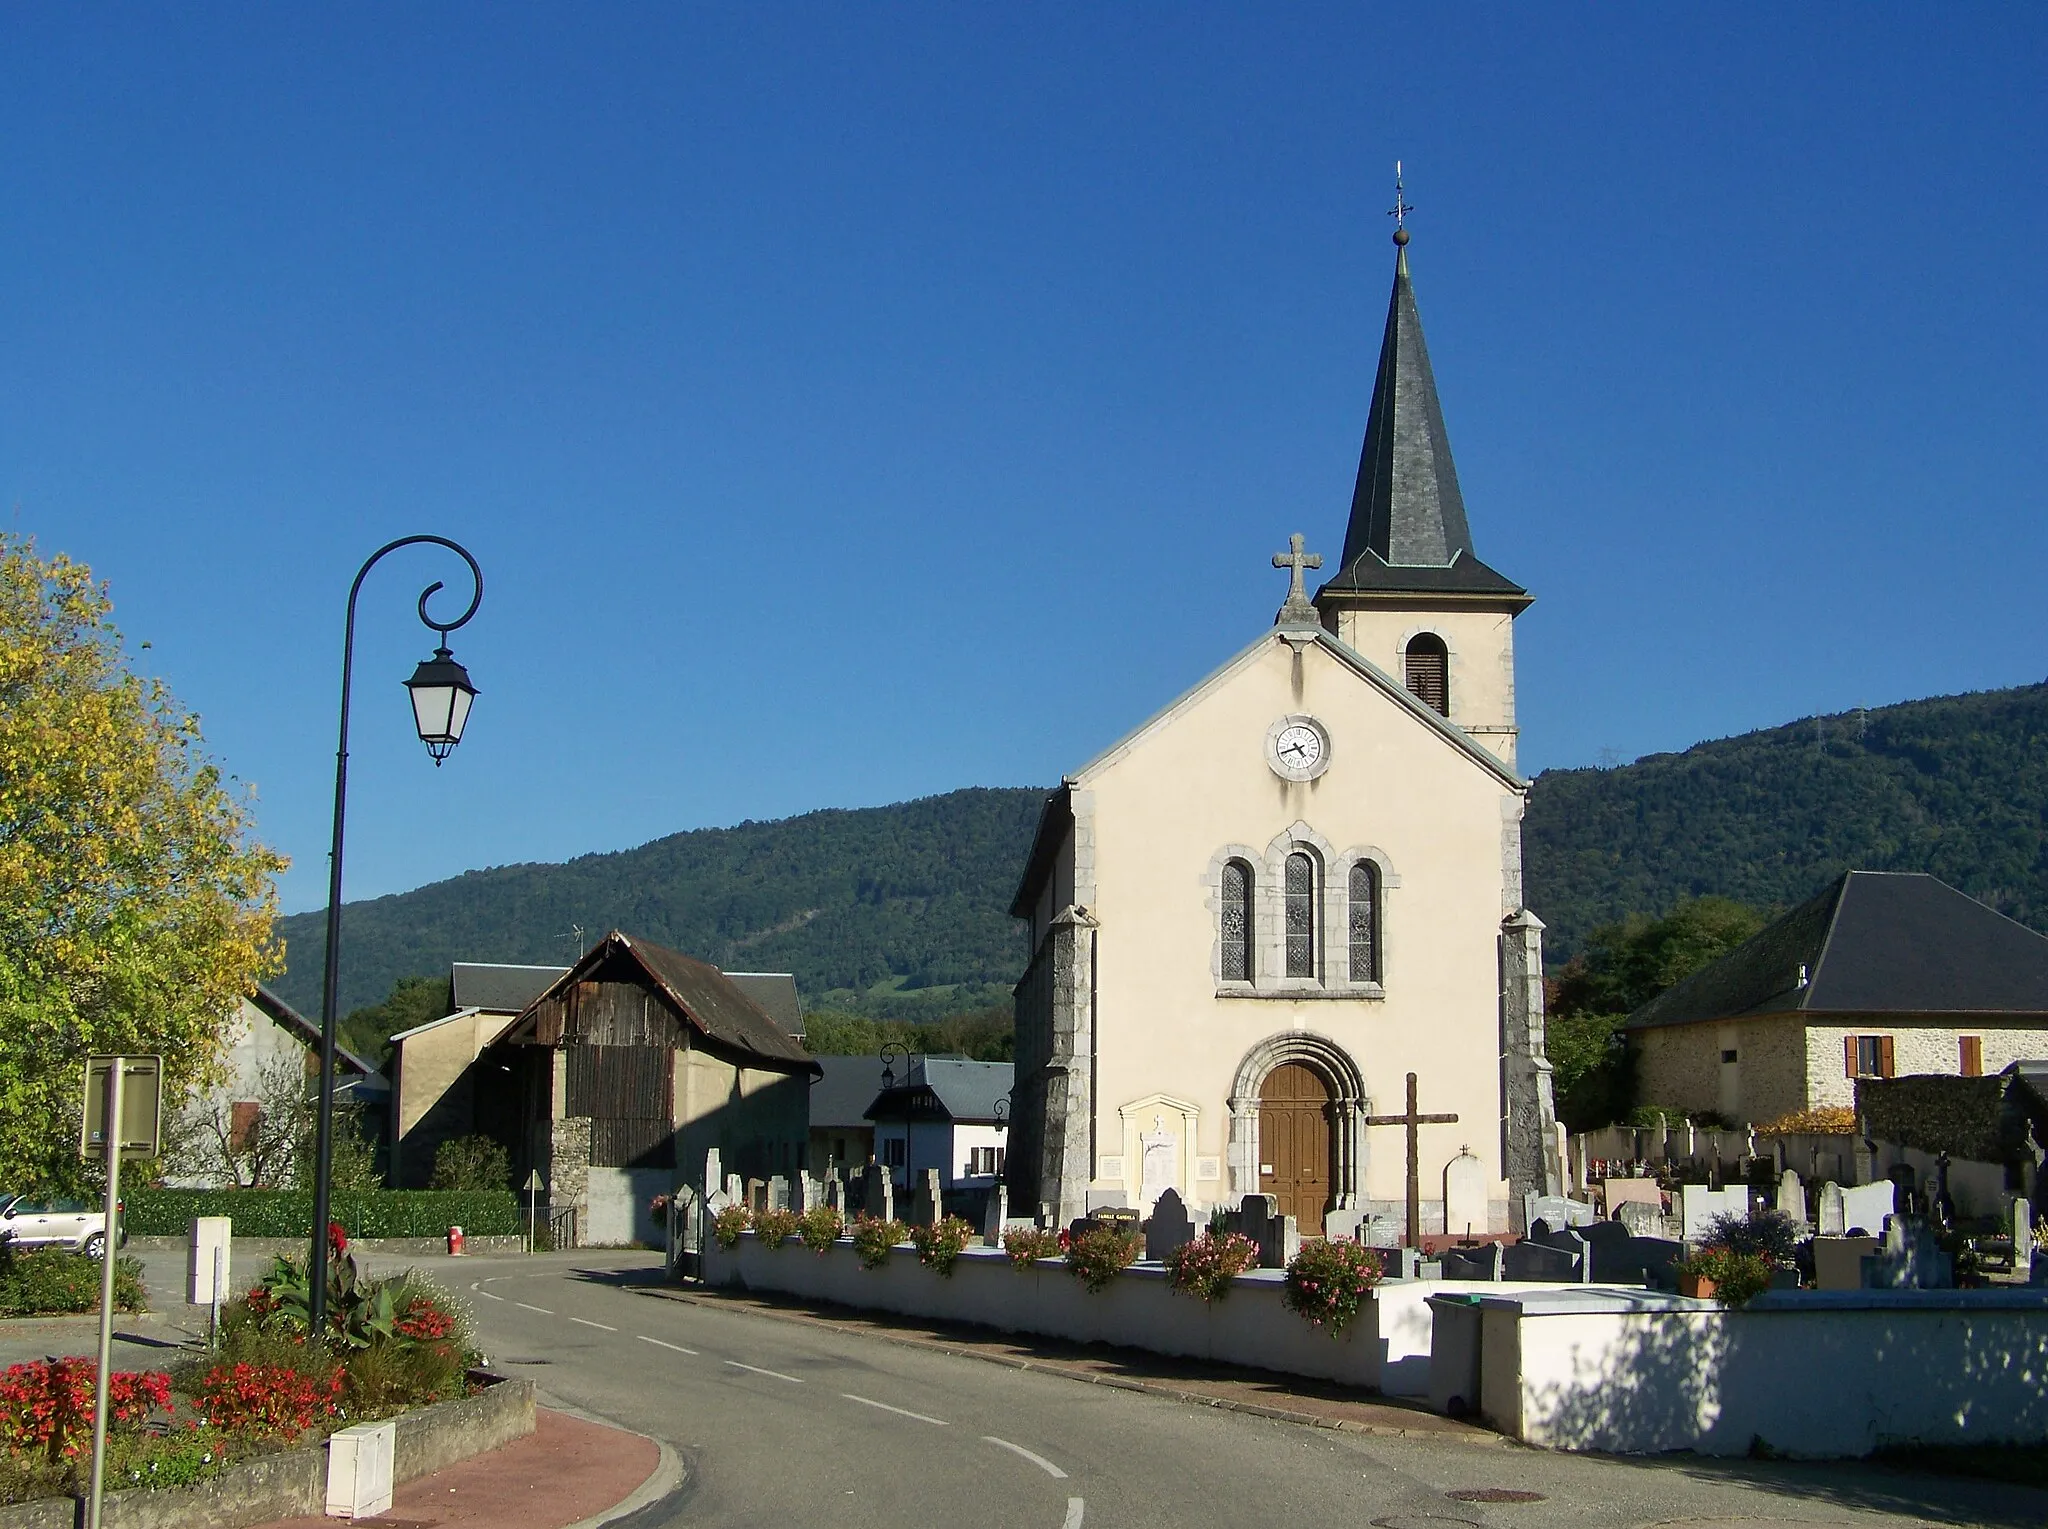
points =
(1884, 1046)
(1848, 1056)
(1973, 1056)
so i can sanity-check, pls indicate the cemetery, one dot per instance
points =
(1628, 1317)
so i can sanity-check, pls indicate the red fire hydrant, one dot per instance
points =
(454, 1242)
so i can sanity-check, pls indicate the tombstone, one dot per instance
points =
(1792, 1197)
(2022, 1225)
(1106, 1199)
(1380, 1232)
(1259, 1218)
(1464, 1195)
(1161, 1161)
(1910, 1259)
(930, 1206)
(757, 1195)
(993, 1215)
(1538, 1261)
(835, 1193)
(1639, 1219)
(1834, 1215)
(1169, 1225)
(778, 1193)
(1480, 1263)
(1344, 1225)
(1555, 1209)
(1868, 1205)
(1616, 1193)
(878, 1193)
(714, 1172)
(1702, 1205)
(686, 1219)
(735, 1189)
(1838, 1261)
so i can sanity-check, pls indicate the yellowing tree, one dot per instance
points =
(135, 908)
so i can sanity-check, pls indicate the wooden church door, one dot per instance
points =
(1294, 1144)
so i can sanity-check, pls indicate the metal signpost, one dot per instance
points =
(123, 1118)
(534, 1186)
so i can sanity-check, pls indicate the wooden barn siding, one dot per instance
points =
(627, 1092)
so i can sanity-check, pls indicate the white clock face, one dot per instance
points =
(1297, 748)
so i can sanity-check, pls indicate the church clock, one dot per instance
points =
(1298, 748)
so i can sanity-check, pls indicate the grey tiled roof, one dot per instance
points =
(1408, 532)
(499, 987)
(1871, 942)
(776, 993)
(308, 1030)
(847, 1087)
(965, 1091)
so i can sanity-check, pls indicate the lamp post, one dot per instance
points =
(891, 1053)
(441, 697)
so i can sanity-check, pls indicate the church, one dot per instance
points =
(1254, 917)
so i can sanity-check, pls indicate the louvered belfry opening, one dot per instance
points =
(1429, 672)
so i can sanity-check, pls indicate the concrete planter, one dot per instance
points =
(1249, 1326)
(293, 1482)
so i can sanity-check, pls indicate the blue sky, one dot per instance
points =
(852, 403)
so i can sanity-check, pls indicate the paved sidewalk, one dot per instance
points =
(565, 1472)
(1289, 1398)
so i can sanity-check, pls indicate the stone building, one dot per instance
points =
(1881, 974)
(1251, 917)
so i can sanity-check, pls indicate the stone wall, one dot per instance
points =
(568, 1176)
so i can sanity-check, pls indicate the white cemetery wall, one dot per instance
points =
(1811, 1374)
(1249, 1326)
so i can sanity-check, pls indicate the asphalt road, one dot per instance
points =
(781, 1423)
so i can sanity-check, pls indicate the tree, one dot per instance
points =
(412, 1001)
(471, 1162)
(1623, 967)
(135, 907)
(267, 1139)
(982, 1035)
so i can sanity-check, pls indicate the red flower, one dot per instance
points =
(337, 1238)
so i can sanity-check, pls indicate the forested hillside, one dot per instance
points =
(900, 911)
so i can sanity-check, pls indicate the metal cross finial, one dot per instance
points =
(1401, 208)
(1297, 560)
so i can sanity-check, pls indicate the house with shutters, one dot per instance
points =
(1879, 975)
(618, 1078)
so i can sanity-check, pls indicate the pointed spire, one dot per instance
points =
(1408, 531)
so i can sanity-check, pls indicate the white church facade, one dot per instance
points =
(1253, 917)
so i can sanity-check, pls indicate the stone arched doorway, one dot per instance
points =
(1297, 1145)
(1297, 1108)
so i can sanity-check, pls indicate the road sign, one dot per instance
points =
(142, 1094)
(533, 1182)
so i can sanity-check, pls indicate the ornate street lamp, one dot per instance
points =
(441, 697)
(891, 1053)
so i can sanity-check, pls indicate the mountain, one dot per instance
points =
(900, 911)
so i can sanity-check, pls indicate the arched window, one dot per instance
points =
(1365, 922)
(1301, 915)
(1429, 672)
(1237, 922)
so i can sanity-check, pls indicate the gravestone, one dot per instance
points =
(757, 1195)
(1169, 1226)
(1867, 1205)
(1792, 1196)
(1616, 1193)
(1160, 1161)
(1107, 1199)
(1380, 1232)
(1259, 1218)
(878, 1193)
(1480, 1263)
(1639, 1218)
(1541, 1262)
(2022, 1226)
(1834, 1215)
(1702, 1205)
(1838, 1261)
(1343, 1225)
(686, 1219)
(1556, 1210)
(1910, 1259)
(994, 1215)
(931, 1200)
(835, 1193)
(714, 1172)
(1464, 1195)
(778, 1193)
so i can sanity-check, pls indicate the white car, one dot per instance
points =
(34, 1221)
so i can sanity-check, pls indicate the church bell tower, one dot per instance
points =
(1409, 592)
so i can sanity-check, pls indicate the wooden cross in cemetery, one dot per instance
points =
(1412, 1121)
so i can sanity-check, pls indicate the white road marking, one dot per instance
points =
(1017, 1449)
(489, 1297)
(541, 1309)
(588, 1323)
(755, 1369)
(1074, 1509)
(659, 1344)
(902, 1412)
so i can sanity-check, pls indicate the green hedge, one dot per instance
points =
(1964, 1117)
(289, 1212)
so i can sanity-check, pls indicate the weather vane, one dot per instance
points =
(1401, 208)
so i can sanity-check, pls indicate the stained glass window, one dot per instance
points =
(1301, 915)
(1237, 922)
(1365, 922)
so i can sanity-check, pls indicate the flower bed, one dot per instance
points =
(390, 1345)
(49, 1282)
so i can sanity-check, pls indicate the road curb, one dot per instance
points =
(667, 1477)
(1117, 1382)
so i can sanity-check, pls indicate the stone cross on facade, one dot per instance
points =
(1413, 1121)
(1297, 609)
